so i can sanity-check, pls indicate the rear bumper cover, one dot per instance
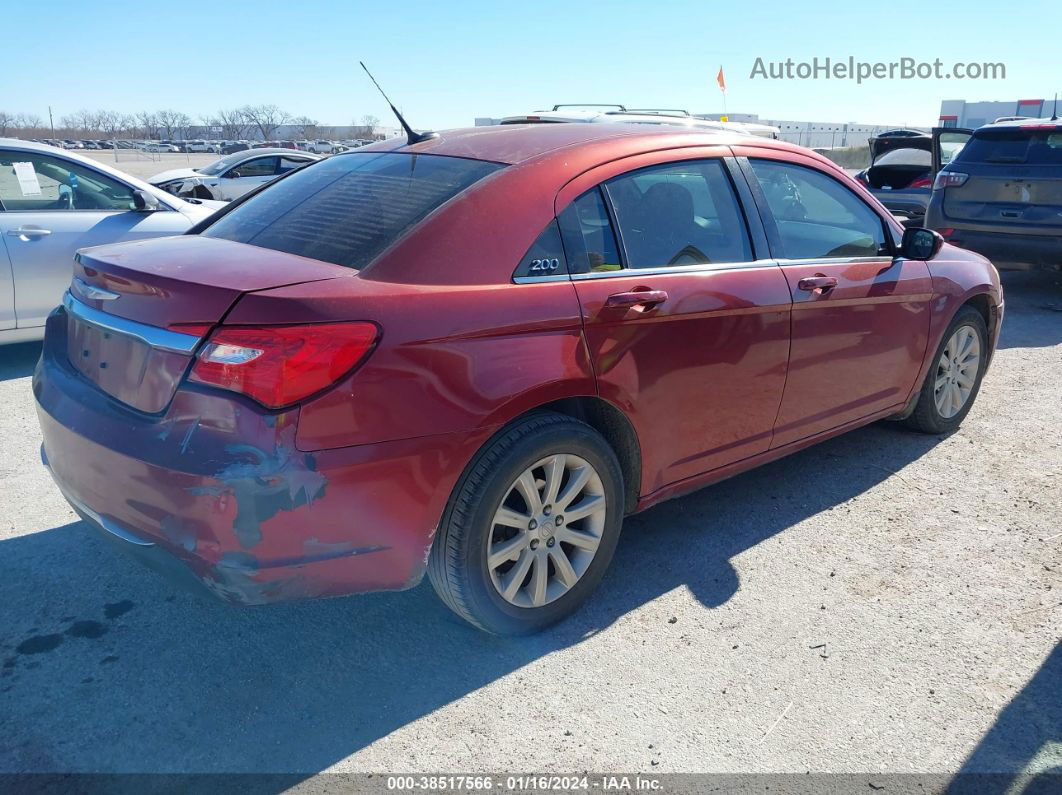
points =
(215, 492)
(1005, 248)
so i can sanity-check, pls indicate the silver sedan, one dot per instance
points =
(54, 202)
(233, 175)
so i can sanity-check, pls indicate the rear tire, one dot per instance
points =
(537, 565)
(954, 377)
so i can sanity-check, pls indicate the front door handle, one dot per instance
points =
(646, 298)
(813, 283)
(26, 232)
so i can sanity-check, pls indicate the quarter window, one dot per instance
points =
(679, 214)
(546, 255)
(818, 217)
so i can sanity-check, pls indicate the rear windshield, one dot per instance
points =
(349, 208)
(1031, 147)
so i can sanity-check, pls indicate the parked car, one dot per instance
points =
(323, 147)
(158, 146)
(202, 146)
(55, 204)
(274, 145)
(900, 174)
(233, 175)
(1001, 194)
(228, 147)
(474, 355)
(618, 114)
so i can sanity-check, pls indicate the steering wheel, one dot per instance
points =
(66, 198)
(699, 257)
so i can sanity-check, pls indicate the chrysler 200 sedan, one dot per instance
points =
(472, 356)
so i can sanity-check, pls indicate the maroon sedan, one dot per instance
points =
(473, 355)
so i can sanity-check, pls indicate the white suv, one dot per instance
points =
(322, 147)
(202, 146)
(621, 115)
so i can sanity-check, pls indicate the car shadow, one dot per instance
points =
(18, 361)
(1038, 295)
(1022, 752)
(106, 668)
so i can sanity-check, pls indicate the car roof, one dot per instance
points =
(1017, 124)
(266, 150)
(518, 143)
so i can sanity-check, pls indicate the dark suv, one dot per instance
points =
(1001, 194)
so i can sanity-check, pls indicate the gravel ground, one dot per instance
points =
(884, 602)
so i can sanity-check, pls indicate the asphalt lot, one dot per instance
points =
(142, 165)
(884, 602)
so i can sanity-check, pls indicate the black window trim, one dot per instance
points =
(661, 270)
(774, 237)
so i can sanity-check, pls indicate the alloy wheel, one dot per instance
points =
(957, 371)
(546, 531)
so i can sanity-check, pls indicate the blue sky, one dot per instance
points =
(445, 63)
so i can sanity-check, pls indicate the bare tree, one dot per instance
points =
(112, 122)
(28, 121)
(233, 123)
(267, 118)
(82, 121)
(306, 127)
(370, 121)
(147, 124)
(173, 122)
(7, 120)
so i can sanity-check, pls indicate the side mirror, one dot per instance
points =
(920, 243)
(145, 202)
(232, 175)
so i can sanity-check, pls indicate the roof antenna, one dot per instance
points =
(412, 137)
(1054, 113)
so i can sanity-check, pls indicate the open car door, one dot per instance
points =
(947, 142)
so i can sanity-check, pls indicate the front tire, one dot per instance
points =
(531, 526)
(954, 377)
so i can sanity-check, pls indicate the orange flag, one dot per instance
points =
(719, 79)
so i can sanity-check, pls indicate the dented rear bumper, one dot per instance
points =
(214, 491)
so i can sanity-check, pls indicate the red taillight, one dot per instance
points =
(925, 182)
(949, 179)
(946, 231)
(192, 329)
(281, 365)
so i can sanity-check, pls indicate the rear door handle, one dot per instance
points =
(27, 232)
(813, 283)
(646, 298)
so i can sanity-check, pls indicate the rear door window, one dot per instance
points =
(589, 240)
(679, 214)
(348, 209)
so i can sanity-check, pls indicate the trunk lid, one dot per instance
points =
(136, 311)
(1026, 196)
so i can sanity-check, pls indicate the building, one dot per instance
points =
(961, 113)
(817, 134)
